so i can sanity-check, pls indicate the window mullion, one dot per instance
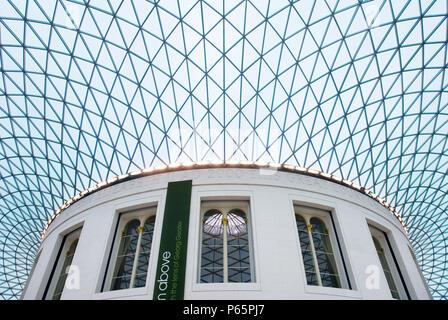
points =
(224, 249)
(249, 239)
(316, 264)
(137, 254)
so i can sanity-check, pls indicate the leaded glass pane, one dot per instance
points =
(307, 253)
(214, 231)
(212, 247)
(126, 255)
(145, 251)
(324, 254)
(238, 247)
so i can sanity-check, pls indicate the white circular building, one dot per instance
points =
(91, 90)
(226, 231)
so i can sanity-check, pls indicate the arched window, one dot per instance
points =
(225, 243)
(386, 269)
(126, 256)
(389, 264)
(131, 254)
(324, 254)
(322, 264)
(145, 252)
(65, 269)
(212, 247)
(63, 265)
(307, 251)
(237, 247)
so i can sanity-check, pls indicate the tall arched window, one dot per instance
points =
(65, 270)
(238, 259)
(131, 250)
(63, 266)
(145, 252)
(212, 247)
(126, 256)
(322, 263)
(324, 254)
(388, 263)
(225, 243)
(307, 251)
(386, 269)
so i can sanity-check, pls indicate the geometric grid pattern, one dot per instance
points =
(238, 247)
(316, 244)
(324, 254)
(235, 265)
(145, 252)
(91, 89)
(307, 251)
(126, 256)
(132, 236)
(212, 263)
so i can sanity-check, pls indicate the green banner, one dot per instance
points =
(170, 276)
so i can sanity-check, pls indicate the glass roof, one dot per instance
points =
(93, 89)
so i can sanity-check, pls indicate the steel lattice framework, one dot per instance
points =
(93, 89)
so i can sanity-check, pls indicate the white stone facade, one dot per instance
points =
(276, 253)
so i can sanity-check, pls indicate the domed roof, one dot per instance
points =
(91, 90)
